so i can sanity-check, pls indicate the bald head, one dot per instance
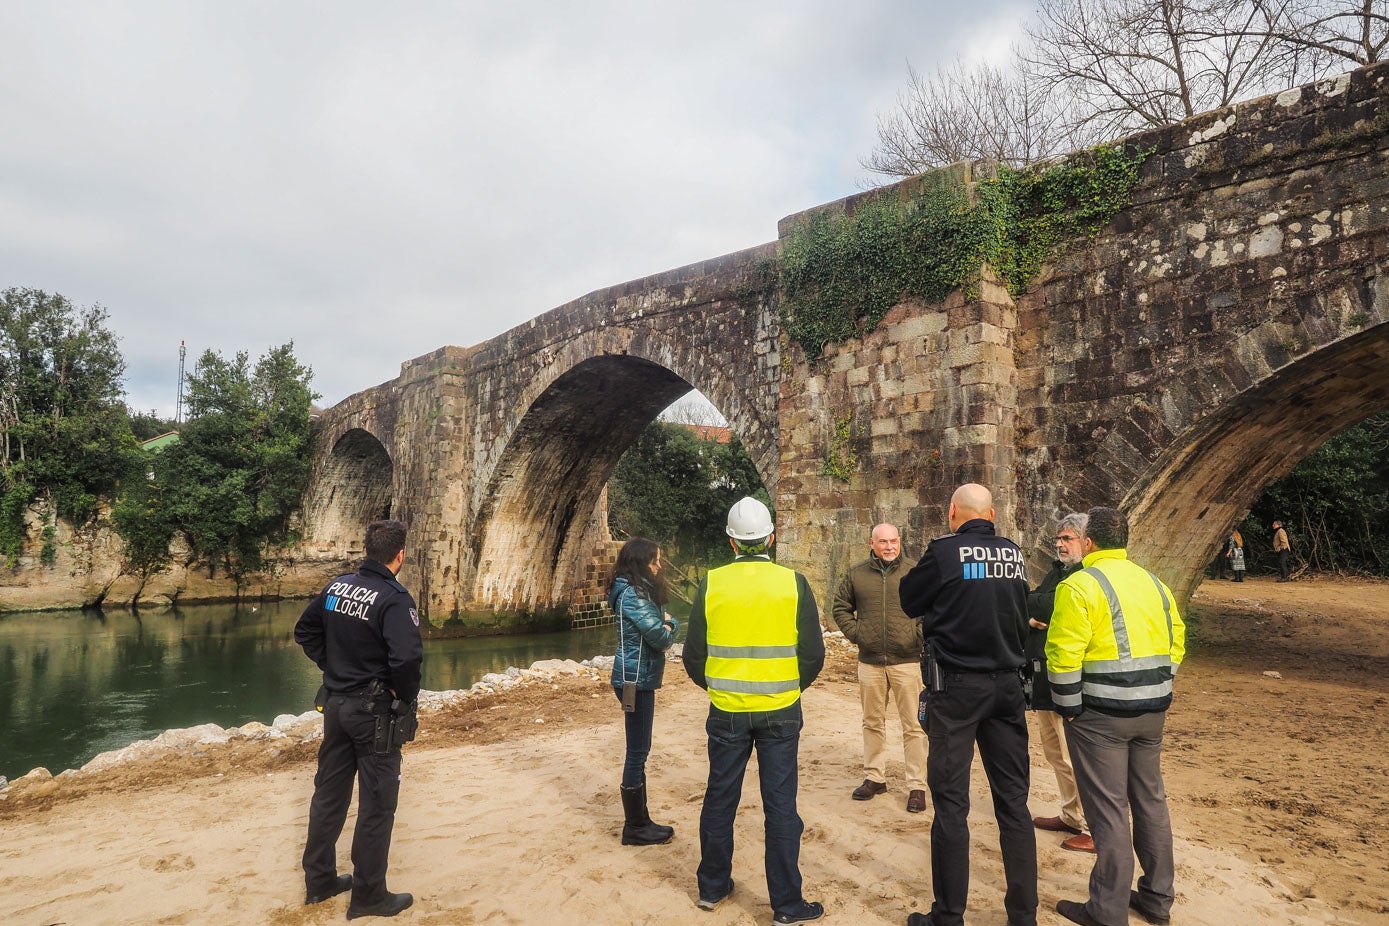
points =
(970, 501)
(886, 542)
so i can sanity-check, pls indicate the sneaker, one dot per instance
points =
(714, 904)
(807, 911)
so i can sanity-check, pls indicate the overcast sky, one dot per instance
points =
(375, 180)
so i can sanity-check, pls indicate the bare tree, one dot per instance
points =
(694, 409)
(968, 113)
(1135, 64)
(1095, 70)
(1327, 35)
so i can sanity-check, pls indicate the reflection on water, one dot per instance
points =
(74, 683)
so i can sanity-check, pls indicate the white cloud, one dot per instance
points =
(373, 181)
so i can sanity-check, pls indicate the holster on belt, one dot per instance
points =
(932, 675)
(374, 696)
(932, 683)
(395, 727)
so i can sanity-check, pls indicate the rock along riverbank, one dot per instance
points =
(291, 728)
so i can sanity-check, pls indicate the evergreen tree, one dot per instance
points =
(65, 440)
(238, 471)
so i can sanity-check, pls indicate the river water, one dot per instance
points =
(77, 683)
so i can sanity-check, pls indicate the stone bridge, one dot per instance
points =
(1216, 331)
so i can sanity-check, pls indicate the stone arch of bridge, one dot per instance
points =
(1198, 488)
(352, 488)
(535, 527)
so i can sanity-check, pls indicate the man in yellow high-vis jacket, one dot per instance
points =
(754, 643)
(1113, 647)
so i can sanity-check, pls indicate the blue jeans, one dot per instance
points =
(638, 724)
(732, 737)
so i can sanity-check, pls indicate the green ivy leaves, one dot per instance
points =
(841, 273)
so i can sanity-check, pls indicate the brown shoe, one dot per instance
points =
(1055, 825)
(869, 790)
(916, 801)
(1079, 843)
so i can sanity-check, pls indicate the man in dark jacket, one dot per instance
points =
(363, 631)
(970, 587)
(868, 611)
(1050, 727)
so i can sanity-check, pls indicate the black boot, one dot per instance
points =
(639, 830)
(388, 905)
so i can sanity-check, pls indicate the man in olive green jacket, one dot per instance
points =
(869, 612)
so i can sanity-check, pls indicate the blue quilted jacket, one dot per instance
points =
(642, 639)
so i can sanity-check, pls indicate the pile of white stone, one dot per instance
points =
(300, 728)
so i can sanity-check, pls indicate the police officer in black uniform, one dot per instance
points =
(363, 631)
(970, 589)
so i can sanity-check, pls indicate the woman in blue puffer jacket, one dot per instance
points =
(637, 595)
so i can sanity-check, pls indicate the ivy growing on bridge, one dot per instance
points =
(840, 274)
(841, 461)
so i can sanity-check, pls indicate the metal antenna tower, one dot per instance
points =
(178, 411)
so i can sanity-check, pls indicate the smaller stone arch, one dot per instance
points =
(1186, 503)
(352, 488)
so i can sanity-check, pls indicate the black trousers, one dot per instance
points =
(986, 708)
(349, 729)
(1283, 565)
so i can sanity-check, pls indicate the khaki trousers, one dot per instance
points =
(1051, 731)
(900, 685)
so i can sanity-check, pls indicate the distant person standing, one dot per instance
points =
(1282, 548)
(970, 588)
(637, 594)
(363, 631)
(1220, 566)
(868, 610)
(754, 643)
(1040, 602)
(1237, 555)
(1114, 645)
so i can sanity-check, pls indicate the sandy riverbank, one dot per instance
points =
(509, 810)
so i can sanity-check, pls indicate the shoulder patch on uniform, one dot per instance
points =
(414, 617)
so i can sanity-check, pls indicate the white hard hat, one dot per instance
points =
(749, 519)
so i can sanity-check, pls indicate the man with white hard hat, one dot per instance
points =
(754, 643)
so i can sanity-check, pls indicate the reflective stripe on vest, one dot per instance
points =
(1128, 683)
(750, 613)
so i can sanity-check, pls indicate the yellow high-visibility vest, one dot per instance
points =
(750, 612)
(1116, 638)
